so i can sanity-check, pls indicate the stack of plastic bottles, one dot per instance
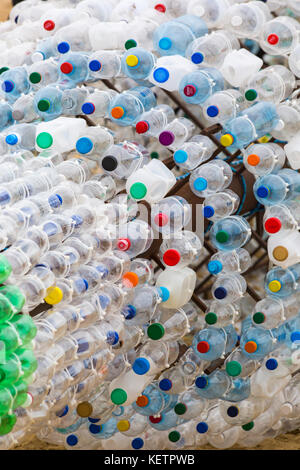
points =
(148, 150)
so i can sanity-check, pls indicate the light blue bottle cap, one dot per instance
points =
(63, 47)
(263, 191)
(164, 293)
(141, 366)
(295, 337)
(208, 211)
(165, 43)
(84, 145)
(11, 139)
(180, 156)
(200, 184)
(271, 364)
(214, 267)
(212, 111)
(197, 58)
(220, 293)
(161, 75)
(202, 427)
(112, 337)
(137, 443)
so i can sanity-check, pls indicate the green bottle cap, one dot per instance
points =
(233, 368)
(25, 327)
(43, 105)
(118, 396)
(155, 331)
(251, 95)
(248, 426)
(174, 436)
(211, 318)
(258, 317)
(44, 140)
(35, 77)
(15, 296)
(180, 408)
(7, 423)
(6, 401)
(138, 191)
(3, 69)
(5, 269)
(130, 43)
(222, 236)
(6, 309)
(154, 155)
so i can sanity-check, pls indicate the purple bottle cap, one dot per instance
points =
(166, 138)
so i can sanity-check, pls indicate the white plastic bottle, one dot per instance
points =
(180, 284)
(60, 134)
(169, 70)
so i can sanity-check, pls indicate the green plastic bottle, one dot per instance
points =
(19, 393)
(28, 361)
(5, 268)
(10, 337)
(15, 296)
(10, 371)
(6, 401)
(7, 423)
(25, 327)
(6, 309)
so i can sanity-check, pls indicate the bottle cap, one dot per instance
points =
(8, 86)
(11, 139)
(130, 43)
(132, 60)
(130, 279)
(54, 295)
(155, 420)
(109, 163)
(271, 364)
(197, 58)
(212, 111)
(84, 145)
(203, 347)
(62, 412)
(49, 25)
(155, 331)
(222, 236)
(112, 337)
(84, 409)
(180, 156)
(174, 436)
(138, 191)
(66, 68)
(253, 159)
(280, 253)
(262, 191)
(117, 112)
(88, 108)
(137, 443)
(141, 366)
(201, 382)
(165, 43)
(171, 257)
(258, 318)
(5, 268)
(165, 384)
(164, 293)
(272, 225)
(189, 90)
(142, 401)
(214, 267)
(233, 368)
(123, 425)
(3, 69)
(220, 293)
(43, 105)
(211, 318)
(161, 75)
(72, 440)
(295, 337)
(250, 347)
(35, 77)
(161, 219)
(44, 140)
(63, 47)
(251, 95)
(232, 411)
(273, 39)
(95, 65)
(166, 138)
(248, 426)
(274, 286)
(180, 409)
(118, 396)
(208, 211)
(226, 140)
(202, 427)
(95, 428)
(154, 155)
(200, 184)
(124, 244)
(142, 127)
(129, 312)
(160, 7)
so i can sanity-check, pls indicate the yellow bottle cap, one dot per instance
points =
(123, 425)
(274, 286)
(280, 253)
(54, 295)
(132, 60)
(226, 140)
(264, 139)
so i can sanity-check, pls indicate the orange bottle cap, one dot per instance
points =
(253, 159)
(117, 112)
(250, 347)
(130, 279)
(142, 401)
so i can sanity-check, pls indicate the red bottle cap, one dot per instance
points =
(66, 67)
(49, 25)
(161, 219)
(155, 420)
(203, 347)
(124, 244)
(272, 225)
(142, 127)
(171, 257)
(273, 39)
(189, 90)
(160, 7)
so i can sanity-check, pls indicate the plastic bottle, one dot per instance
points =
(279, 36)
(42, 73)
(134, 238)
(276, 188)
(94, 141)
(211, 49)
(6, 115)
(195, 151)
(212, 343)
(21, 136)
(247, 20)
(126, 108)
(14, 82)
(281, 217)
(230, 233)
(238, 65)
(104, 64)
(262, 159)
(98, 103)
(109, 35)
(282, 282)
(223, 106)
(52, 135)
(243, 412)
(123, 159)
(152, 122)
(198, 86)
(222, 204)
(214, 385)
(211, 177)
(137, 63)
(238, 365)
(170, 279)
(229, 287)
(176, 133)
(271, 311)
(169, 326)
(23, 109)
(257, 342)
(181, 249)
(220, 314)
(74, 68)
(212, 12)
(170, 214)
(169, 71)
(229, 261)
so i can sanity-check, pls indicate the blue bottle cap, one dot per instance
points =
(208, 211)
(271, 364)
(200, 184)
(164, 293)
(295, 336)
(165, 384)
(112, 337)
(212, 111)
(161, 75)
(55, 200)
(62, 412)
(180, 156)
(137, 443)
(86, 284)
(95, 65)
(11, 139)
(263, 191)
(94, 428)
(93, 420)
(141, 366)
(72, 440)
(202, 427)
(214, 267)
(165, 43)
(129, 312)
(8, 86)
(84, 145)
(201, 382)
(88, 108)
(63, 47)
(220, 293)
(197, 58)
(77, 219)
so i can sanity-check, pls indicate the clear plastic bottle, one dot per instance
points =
(230, 233)
(170, 214)
(14, 82)
(152, 122)
(195, 151)
(98, 103)
(169, 326)
(198, 86)
(257, 342)
(42, 73)
(243, 412)
(220, 314)
(282, 282)
(212, 12)
(20, 136)
(274, 83)
(211, 49)
(126, 108)
(137, 63)
(271, 311)
(181, 249)
(94, 141)
(221, 204)
(74, 68)
(123, 159)
(23, 109)
(281, 217)
(176, 133)
(6, 118)
(229, 261)
(239, 365)
(212, 343)
(276, 188)
(104, 64)
(229, 287)
(224, 105)
(279, 36)
(247, 20)
(262, 159)
(211, 177)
